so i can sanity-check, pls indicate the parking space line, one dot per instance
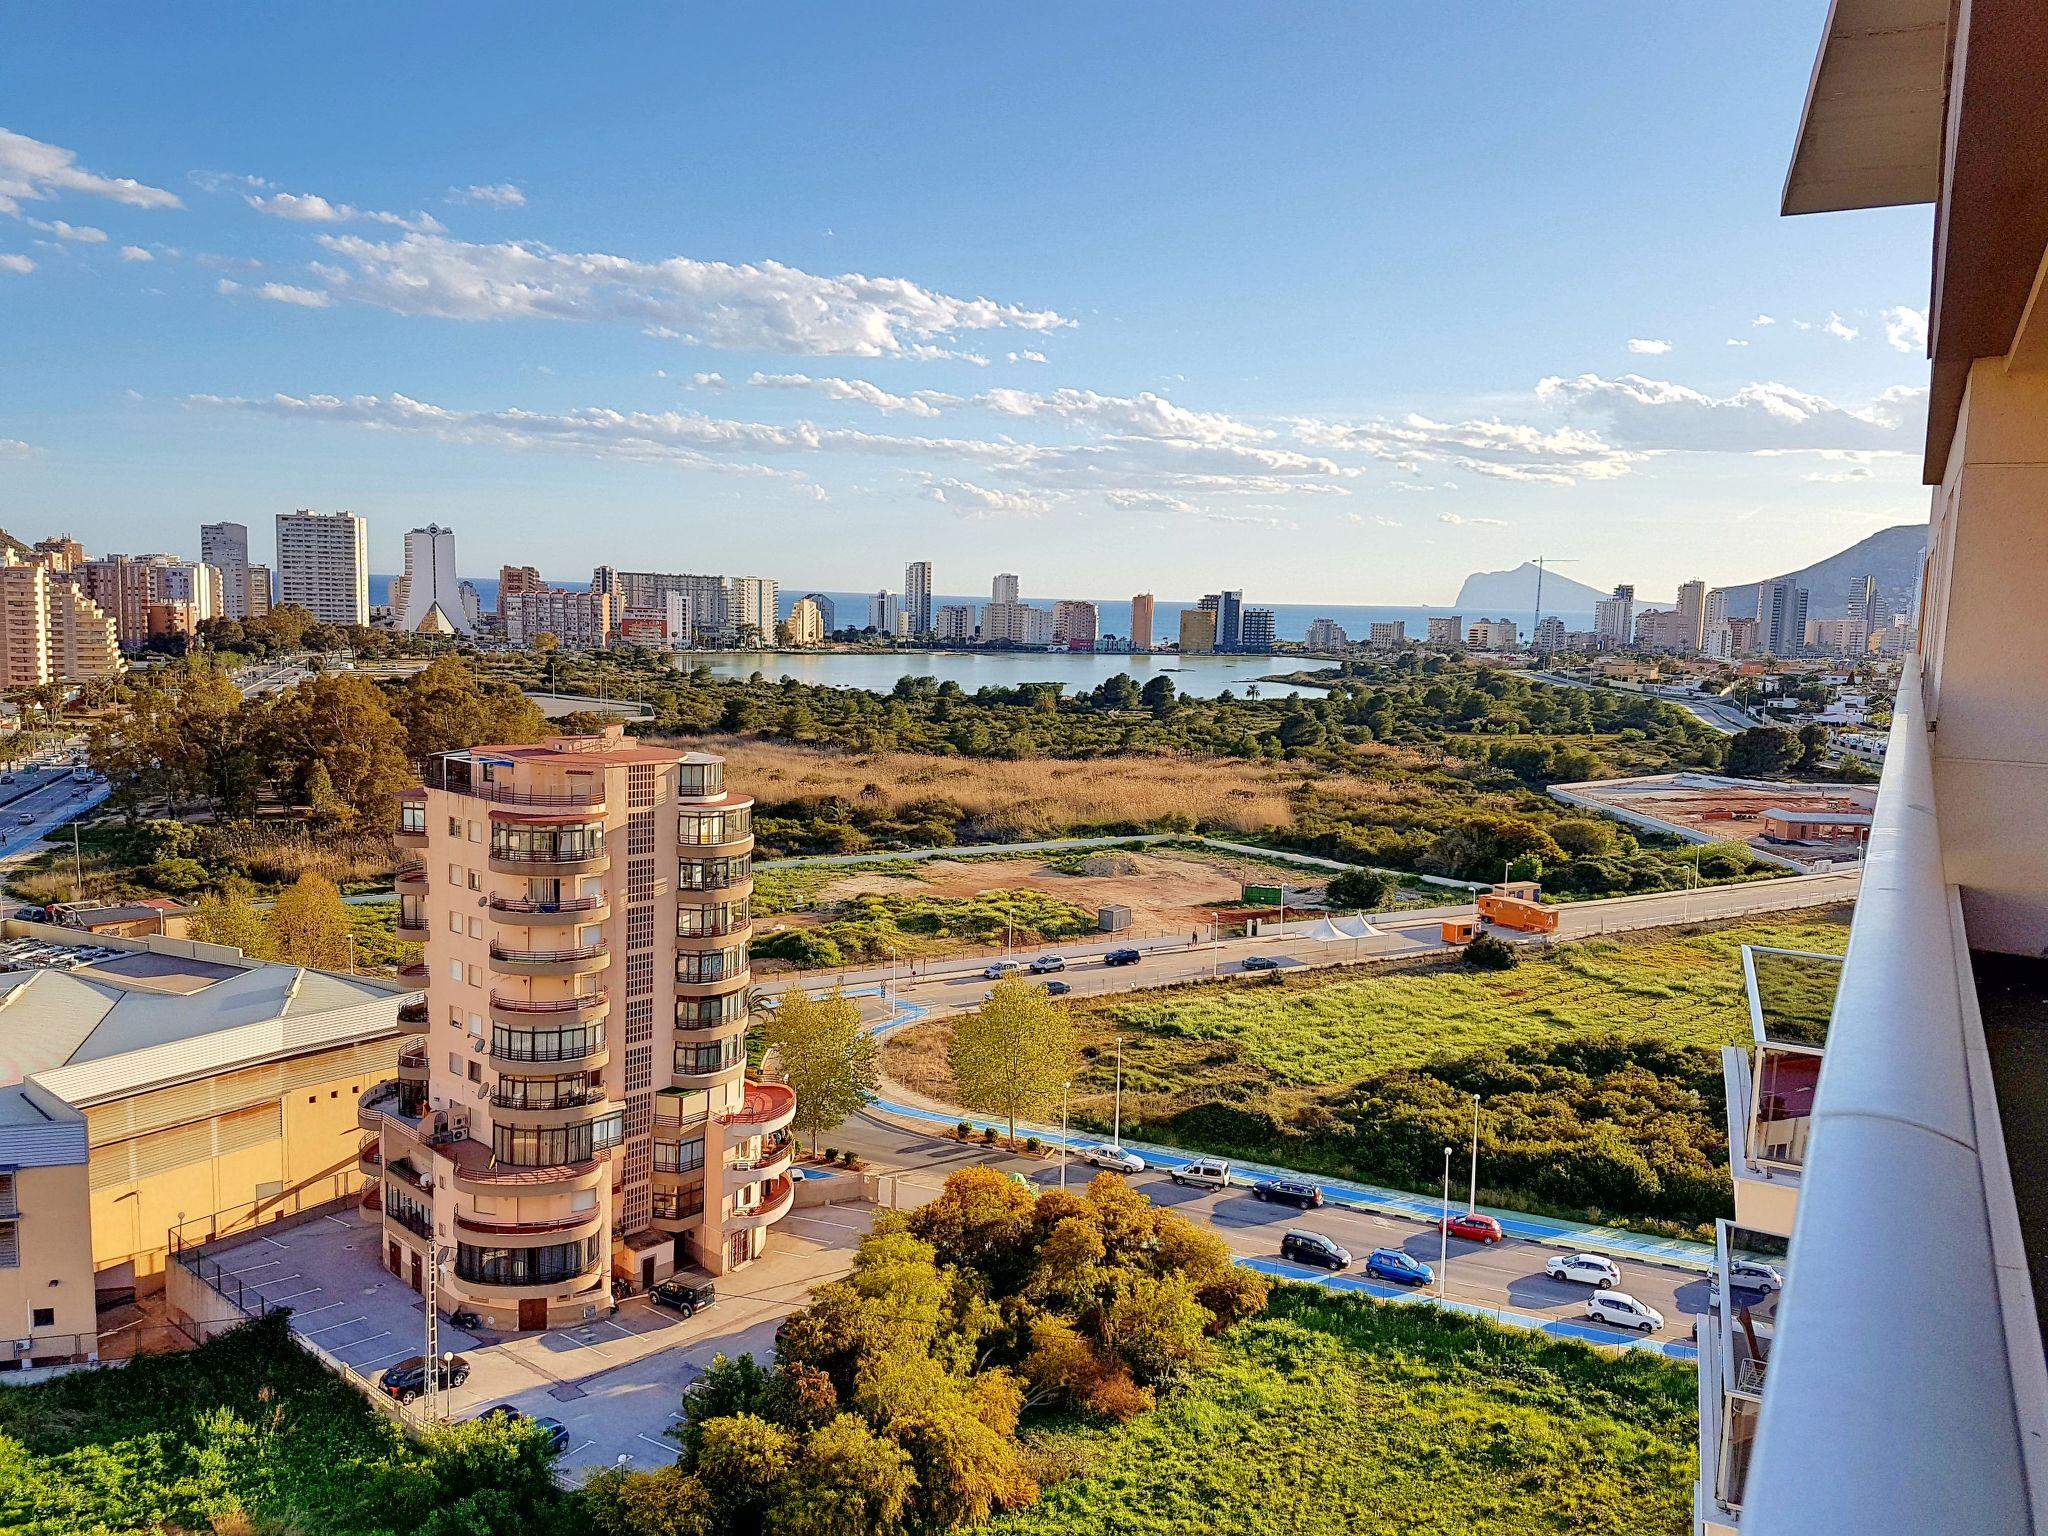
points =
(273, 1242)
(359, 1343)
(300, 1313)
(311, 1290)
(250, 1269)
(667, 1446)
(347, 1322)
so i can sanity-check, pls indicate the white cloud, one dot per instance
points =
(1148, 501)
(925, 402)
(503, 194)
(15, 448)
(1025, 357)
(34, 171)
(1498, 449)
(11, 261)
(1853, 475)
(707, 380)
(1763, 320)
(227, 285)
(1652, 415)
(135, 253)
(763, 306)
(1373, 519)
(83, 234)
(979, 503)
(1840, 328)
(287, 293)
(311, 208)
(1456, 521)
(1645, 345)
(1736, 342)
(1144, 415)
(1906, 329)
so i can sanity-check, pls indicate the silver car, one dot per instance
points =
(1115, 1159)
(1584, 1268)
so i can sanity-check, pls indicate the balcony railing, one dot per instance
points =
(575, 1099)
(456, 779)
(1896, 1384)
(583, 1002)
(546, 956)
(521, 905)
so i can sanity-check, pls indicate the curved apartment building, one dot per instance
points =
(575, 1105)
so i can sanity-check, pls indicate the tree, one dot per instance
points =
(229, 917)
(1158, 696)
(1359, 889)
(826, 1057)
(443, 708)
(340, 721)
(309, 925)
(1525, 866)
(1813, 747)
(741, 1460)
(1762, 752)
(852, 1483)
(1012, 1054)
(1488, 953)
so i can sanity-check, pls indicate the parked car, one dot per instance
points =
(1055, 988)
(1045, 965)
(1297, 1192)
(25, 818)
(1313, 1248)
(681, 1294)
(1392, 1264)
(1259, 963)
(1623, 1311)
(1474, 1227)
(1750, 1275)
(408, 1379)
(556, 1431)
(1122, 957)
(1584, 1268)
(1115, 1159)
(1002, 969)
(1203, 1173)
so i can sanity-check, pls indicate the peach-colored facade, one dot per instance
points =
(576, 1105)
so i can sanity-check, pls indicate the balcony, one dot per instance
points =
(768, 1107)
(410, 924)
(476, 1169)
(1735, 1339)
(412, 1062)
(520, 911)
(1770, 1086)
(773, 1163)
(582, 960)
(389, 1103)
(370, 1157)
(574, 1224)
(550, 1012)
(583, 1046)
(455, 775)
(512, 1109)
(541, 857)
(776, 1199)
(411, 880)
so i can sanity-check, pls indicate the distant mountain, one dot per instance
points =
(1892, 555)
(1513, 593)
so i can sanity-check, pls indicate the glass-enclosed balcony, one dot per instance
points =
(520, 848)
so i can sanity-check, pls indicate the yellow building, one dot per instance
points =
(1197, 631)
(145, 1082)
(577, 1106)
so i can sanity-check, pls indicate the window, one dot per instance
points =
(527, 1146)
(709, 922)
(524, 1266)
(545, 1092)
(10, 1244)
(700, 781)
(693, 1059)
(455, 1017)
(476, 1072)
(712, 874)
(412, 817)
(710, 1012)
(474, 883)
(476, 928)
(455, 923)
(476, 975)
(570, 1043)
(42, 1317)
(475, 833)
(455, 826)
(455, 874)
(678, 1156)
(547, 844)
(455, 971)
(707, 828)
(712, 965)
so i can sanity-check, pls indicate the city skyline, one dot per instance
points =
(496, 331)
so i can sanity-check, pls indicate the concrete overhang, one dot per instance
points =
(1871, 132)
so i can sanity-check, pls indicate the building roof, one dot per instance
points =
(1870, 135)
(1823, 818)
(87, 1021)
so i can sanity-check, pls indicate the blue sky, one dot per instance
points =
(1328, 302)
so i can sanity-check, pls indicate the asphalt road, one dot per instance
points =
(48, 798)
(1507, 1275)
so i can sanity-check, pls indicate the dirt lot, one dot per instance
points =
(1725, 808)
(1166, 892)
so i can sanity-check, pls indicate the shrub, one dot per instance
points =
(964, 1130)
(831, 1154)
(1488, 953)
(991, 1135)
(1033, 1144)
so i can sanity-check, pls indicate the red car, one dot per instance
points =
(1473, 1227)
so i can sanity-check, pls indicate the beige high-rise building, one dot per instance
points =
(257, 591)
(50, 631)
(1692, 616)
(578, 1105)
(577, 620)
(1141, 622)
(806, 623)
(323, 565)
(1197, 631)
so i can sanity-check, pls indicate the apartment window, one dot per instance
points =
(712, 1056)
(524, 1266)
(407, 1212)
(712, 965)
(455, 1062)
(570, 1043)
(709, 1012)
(475, 833)
(455, 923)
(476, 1072)
(42, 1317)
(545, 1092)
(7, 1193)
(476, 928)
(455, 874)
(679, 1205)
(704, 828)
(700, 781)
(10, 1244)
(455, 826)
(550, 1146)
(455, 971)
(474, 883)
(476, 975)
(712, 874)
(547, 844)
(678, 1156)
(709, 922)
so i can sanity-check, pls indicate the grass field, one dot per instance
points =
(1334, 1415)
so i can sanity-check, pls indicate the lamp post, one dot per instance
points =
(1472, 1200)
(1116, 1119)
(1063, 1132)
(1443, 1230)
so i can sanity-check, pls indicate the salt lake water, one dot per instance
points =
(876, 671)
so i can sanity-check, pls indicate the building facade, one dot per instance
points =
(1780, 618)
(225, 547)
(1228, 609)
(1447, 630)
(323, 565)
(1075, 624)
(1493, 634)
(1197, 631)
(1328, 635)
(578, 620)
(1692, 616)
(806, 624)
(917, 596)
(752, 606)
(1259, 630)
(953, 624)
(1004, 589)
(431, 584)
(1614, 618)
(578, 1105)
(1383, 635)
(1141, 622)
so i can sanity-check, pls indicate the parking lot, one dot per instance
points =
(615, 1381)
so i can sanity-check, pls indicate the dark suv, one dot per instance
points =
(1314, 1248)
(1122, 957)
(1295, 1192)
(688, 1297)
(408, 1379)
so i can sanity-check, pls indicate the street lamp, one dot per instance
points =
(1063, 1132)
(1443, 1228)
(1472, 1201)
(1116, 1121)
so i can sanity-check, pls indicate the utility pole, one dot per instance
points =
(1443, 1230)
(1472, 1201)
(1116, 1123)
(1063, 1132)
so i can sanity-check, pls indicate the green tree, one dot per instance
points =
(1762, 752)
(1813, 747)
(826, 1057)
(339, 721)
(308, 925)
(852, 1482)
(1359, 889)
(1525, 866)
(443, 708)
(742, 1459)
(229, 917)
(1158, 696)
(1011, 1055)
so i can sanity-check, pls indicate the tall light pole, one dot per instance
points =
(1116, 1121)
(1472, 1201)
(1443, 1229)
(1063, 1132)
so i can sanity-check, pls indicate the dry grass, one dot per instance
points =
(1032, 798)
(920, 1059)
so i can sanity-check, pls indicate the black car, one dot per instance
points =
(1056, 988)
(1122, 957)
(1314, 1248)
(408, 1379)
(556, 1431)
(1295, 1192)
(688, 1297)
(1259, 963)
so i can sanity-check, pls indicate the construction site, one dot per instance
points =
(1802, 826)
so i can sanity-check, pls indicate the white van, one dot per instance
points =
(1205, 1173)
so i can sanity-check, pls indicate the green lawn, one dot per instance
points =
(1334, 1416)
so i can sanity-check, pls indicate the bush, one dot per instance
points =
(1488, 953)
(991, 1135)
(1033, 1144)
(831, 1154)
(964, 1130)
(1359, 889)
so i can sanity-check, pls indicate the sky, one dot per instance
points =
(1326, 302)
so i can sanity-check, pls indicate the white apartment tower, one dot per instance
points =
(917, 596)
(323, 565)
(1692, 615)
(752, 603)
(225, 547)
(576, 1104)
(1004, 589)
(1614, 618)
(431, 584)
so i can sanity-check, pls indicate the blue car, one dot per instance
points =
(1392, 1264)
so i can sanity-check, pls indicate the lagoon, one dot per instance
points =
(877, 671)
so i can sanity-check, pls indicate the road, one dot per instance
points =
(952, 984)
(36, 801)
(1710, 711)
(1505, 1276)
